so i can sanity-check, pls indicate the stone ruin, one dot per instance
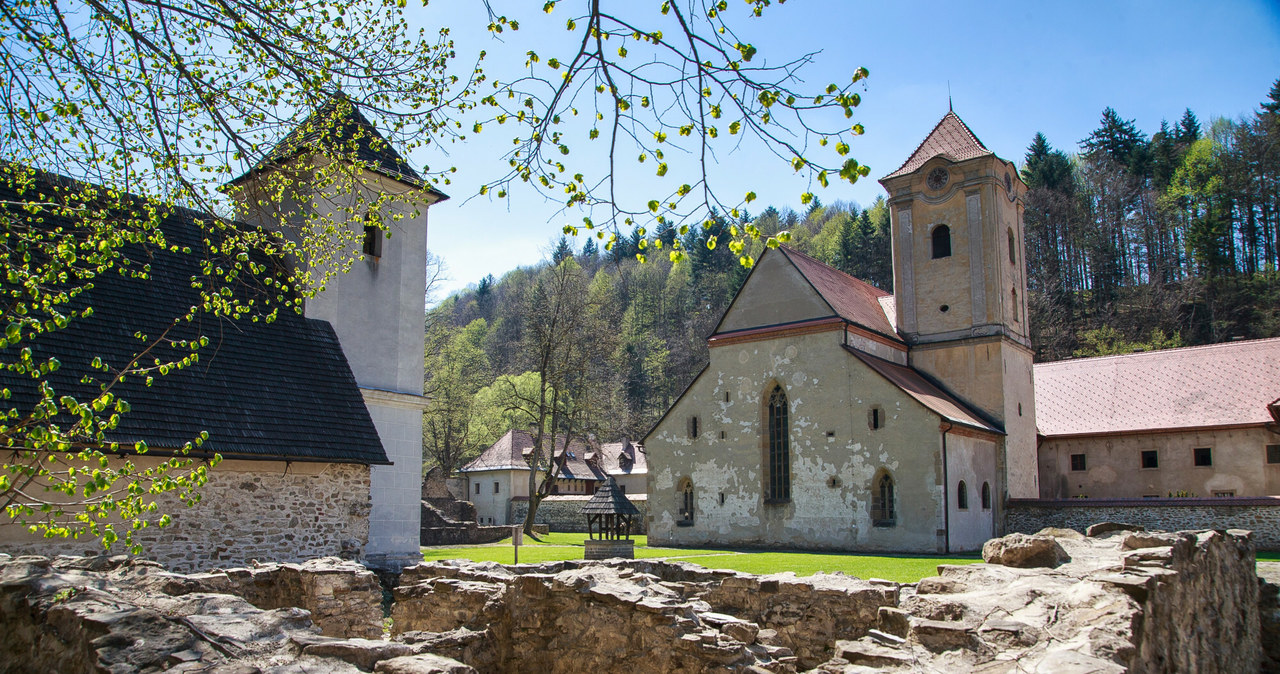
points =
(1115, 601)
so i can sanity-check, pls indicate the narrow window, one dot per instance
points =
(726, 396)
(373, 240)
(693, 427)
(623, 488)
(1203, 456)
(1273, 453)
(882, 505)
(875, 418)
(779, 488)
(1013, 244)
(962, 496)
(686, 502)
(1150, 459)
(941, 241)
(477, 487)
(1078, 462)
(1013, 307)
(496, 488)
(986, 496)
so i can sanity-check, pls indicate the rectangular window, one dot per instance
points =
(477, 487)
(1203, 456)
(372, 241)
(1150, 459)
(1150, 496)
(1223, 494)
(1077, 462)
(1273, 453)
(496, 488)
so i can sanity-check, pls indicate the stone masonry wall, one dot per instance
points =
(1261, 515)
(264, 511)
(564, 513)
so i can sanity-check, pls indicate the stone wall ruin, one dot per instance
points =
(1118, 601)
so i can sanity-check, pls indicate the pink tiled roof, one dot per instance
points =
(915, 385)
(852, 299)
(1216, 385)
(951, 138)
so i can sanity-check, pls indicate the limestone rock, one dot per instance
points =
(1096, 530)
(1058, 532)
(1023, 551)
(422, 664)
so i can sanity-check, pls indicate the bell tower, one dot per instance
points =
(959, 278)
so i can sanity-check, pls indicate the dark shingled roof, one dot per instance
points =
(609, 500)
(329, 124)
(280, 390)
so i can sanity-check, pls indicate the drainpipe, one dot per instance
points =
(946, 492)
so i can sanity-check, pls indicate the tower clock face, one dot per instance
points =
(937, 178)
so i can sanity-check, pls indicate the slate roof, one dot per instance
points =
(951, 138)
(509, 452)
(263, 391)
(609, 500)
(328, 125)
(925, 392)
(850, 298)
(622, 458)
(1229, 384)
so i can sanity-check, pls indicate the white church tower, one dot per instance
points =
(376, 307)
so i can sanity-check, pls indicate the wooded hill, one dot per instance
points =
(1134, 242)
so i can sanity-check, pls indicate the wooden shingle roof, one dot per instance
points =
(609, 500)
(280, 390)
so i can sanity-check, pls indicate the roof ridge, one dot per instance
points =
(911, 158)
(1140, 354)
(877, 291)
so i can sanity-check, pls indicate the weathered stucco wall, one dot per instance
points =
(1261, 515)
(835, 455)
(1113, 465)
(251, 510)
(774, 294)
(972, 461)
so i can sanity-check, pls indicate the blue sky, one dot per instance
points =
(1013, 69)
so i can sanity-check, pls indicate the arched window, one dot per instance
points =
(779, 475)
(941, 241)
(1013, 308)
(962, 496)
(686, 502)
(986, 496)
(882, 502)
(1013, 246)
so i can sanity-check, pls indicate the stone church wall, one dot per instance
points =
(267, 511)
(835, 455)
(1261, 515)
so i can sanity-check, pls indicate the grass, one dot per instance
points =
(562, 546)
(1268, 556)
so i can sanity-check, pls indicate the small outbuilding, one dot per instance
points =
(609, 518)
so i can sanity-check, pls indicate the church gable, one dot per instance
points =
(775, 293)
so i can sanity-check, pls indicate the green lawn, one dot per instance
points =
(1268, 556)
(560, 546)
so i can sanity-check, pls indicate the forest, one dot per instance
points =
(1134, 242)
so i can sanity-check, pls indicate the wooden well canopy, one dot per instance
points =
(609, 513)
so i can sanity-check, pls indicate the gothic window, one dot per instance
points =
(779, 475)
(941, 241)
(986, 496)
(372, 241)
(882, 503)
(686, 502)
(962, 496)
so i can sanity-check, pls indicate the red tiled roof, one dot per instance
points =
(1216, 385)
(915, 385)
(852, 299)
(951, 138)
